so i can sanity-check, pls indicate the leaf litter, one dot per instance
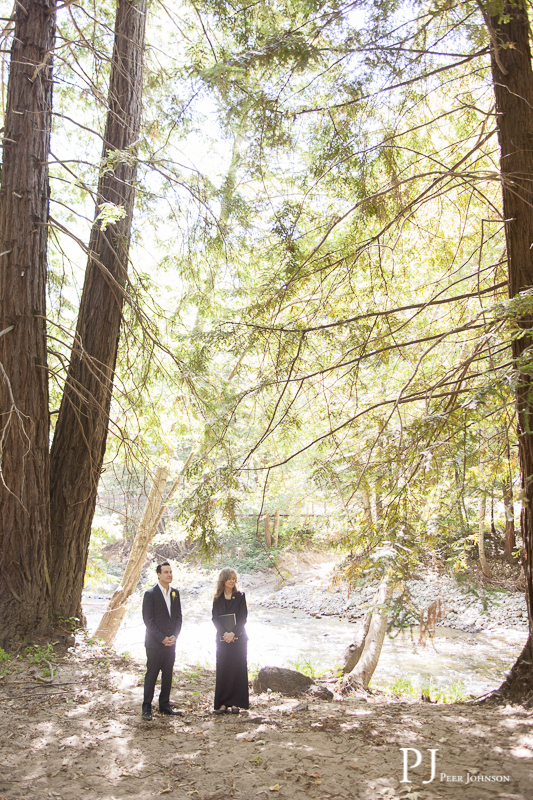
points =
(97, 747)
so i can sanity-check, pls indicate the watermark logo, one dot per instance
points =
(471, 776)
(418, 761)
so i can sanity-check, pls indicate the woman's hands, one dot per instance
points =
(228, 636)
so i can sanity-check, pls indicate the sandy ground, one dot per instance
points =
(83, 737)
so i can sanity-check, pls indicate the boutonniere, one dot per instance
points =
(173, 595)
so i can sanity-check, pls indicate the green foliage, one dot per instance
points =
(70, 624)
(299, 538)
(106, 530)
(407, 686)
(245, 551)
(253, 671)
(37, 653)
(289, 319)
(194, 672)
(109, 214)
(338, 670)
(306, 667)
(5, 663)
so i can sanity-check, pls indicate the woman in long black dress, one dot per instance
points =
(231, 689)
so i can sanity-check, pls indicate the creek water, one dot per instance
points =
(286, 638)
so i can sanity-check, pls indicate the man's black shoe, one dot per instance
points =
(147, 715)
(171, 711)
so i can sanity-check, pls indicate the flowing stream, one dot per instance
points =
(286, 638)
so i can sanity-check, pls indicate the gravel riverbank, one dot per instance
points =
(467, 605)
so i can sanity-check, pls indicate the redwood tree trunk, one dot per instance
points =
(80, 437)
(25, 584)
(513, 88)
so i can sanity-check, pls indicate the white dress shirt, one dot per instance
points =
(166, 595)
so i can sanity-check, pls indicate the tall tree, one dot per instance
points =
(80, 436)
(25, 554)
(512, 75)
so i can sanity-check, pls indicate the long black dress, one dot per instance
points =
(231, 688)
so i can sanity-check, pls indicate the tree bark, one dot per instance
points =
(25, 555)
(80, 437)
(510, 538)
(275, 530)
(513, 88)
(367, 662)
(367, 508)
(493, 531)
(353, 652)
(268, 539)
(481, 534)
(508, 504)
(459, 488)
(379, 505)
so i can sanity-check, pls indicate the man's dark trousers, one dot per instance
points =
(159, 658)
(158, 661)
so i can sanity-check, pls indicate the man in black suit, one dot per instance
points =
(162, 617)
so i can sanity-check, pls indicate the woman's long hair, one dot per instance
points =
(225, 575)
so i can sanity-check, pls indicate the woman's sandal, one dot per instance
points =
(235, 710)
(220, 711)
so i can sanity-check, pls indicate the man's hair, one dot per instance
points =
(158, 568)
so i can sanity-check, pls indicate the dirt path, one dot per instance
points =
(82, 737)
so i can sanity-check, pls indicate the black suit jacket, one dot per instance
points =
(238, 607)
(158, 623)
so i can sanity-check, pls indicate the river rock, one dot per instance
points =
(284, 681)
(319, 692)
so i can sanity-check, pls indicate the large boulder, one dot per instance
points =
(284, 681)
